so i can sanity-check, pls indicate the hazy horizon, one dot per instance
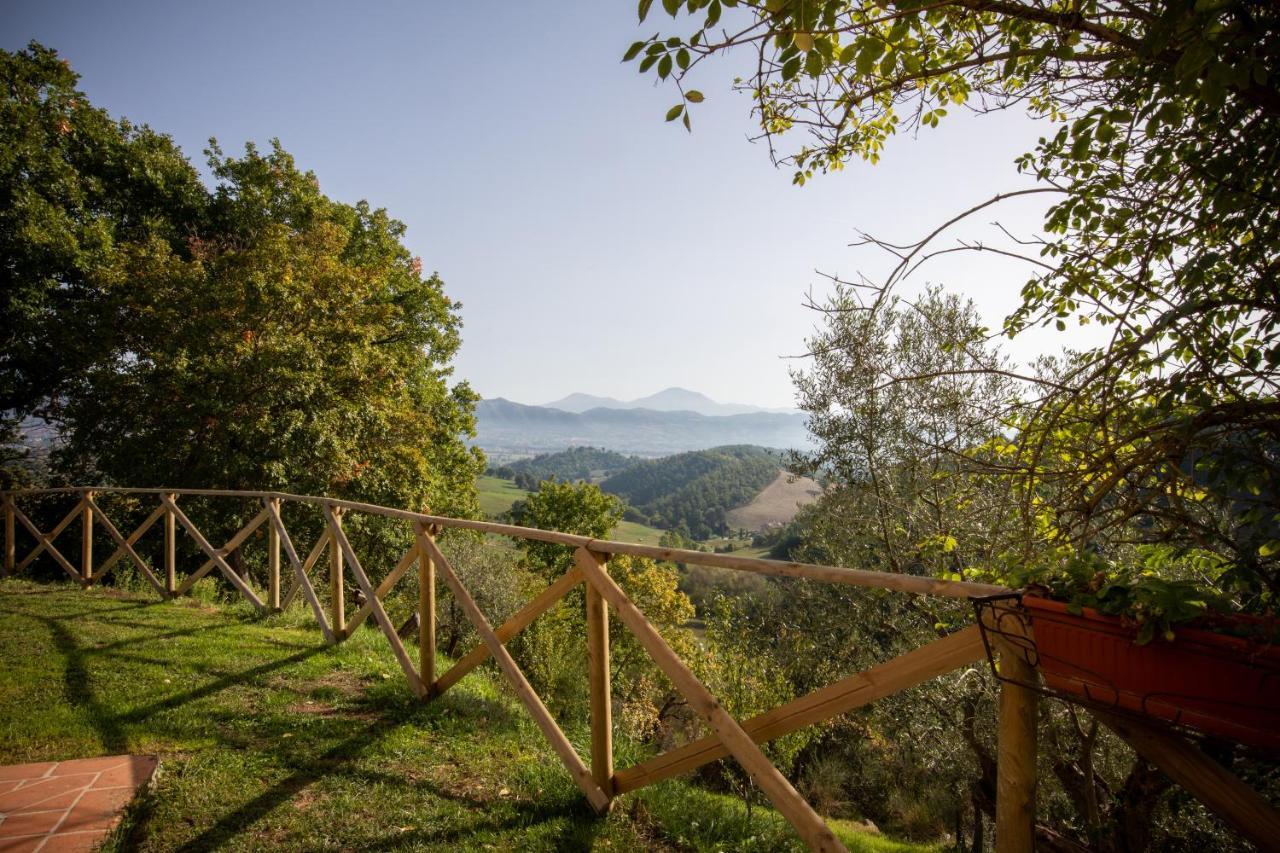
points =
(594, 248)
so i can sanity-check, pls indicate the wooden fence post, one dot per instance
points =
(1016, 755)
(598, 677)
(9, 545)
(273, 560)
(337, 594)
(86, 540)
(170, 551)
(427, 622)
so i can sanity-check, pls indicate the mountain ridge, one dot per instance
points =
(514, 428)
(673, 399)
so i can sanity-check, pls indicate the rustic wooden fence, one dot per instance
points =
(601, 782)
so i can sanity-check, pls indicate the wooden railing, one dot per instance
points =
(601, 782)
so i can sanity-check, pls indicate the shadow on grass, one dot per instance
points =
(359, 726)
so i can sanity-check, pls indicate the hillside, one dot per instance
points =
(695, 490)
(508, 428)
(576, 463)
(776, 505)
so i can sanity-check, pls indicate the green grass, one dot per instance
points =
(641, 534)
(497, 496)
(271, 741)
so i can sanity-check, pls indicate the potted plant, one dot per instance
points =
(1167, 648)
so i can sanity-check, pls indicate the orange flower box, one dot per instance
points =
(1215, 683)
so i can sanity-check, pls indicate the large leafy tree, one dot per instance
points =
(74, 186)
(256, 335)
(1163, 228)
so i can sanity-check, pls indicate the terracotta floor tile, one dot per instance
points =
(135, 771)
(61, 801)
(97, 809)
(34, 793)
(90, 765)
(31, 823)
(76, 842)
(26, 771)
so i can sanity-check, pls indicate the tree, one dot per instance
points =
(1164, 226)
(258, 335)
(75, 186)
(579, 508)
(554, 648)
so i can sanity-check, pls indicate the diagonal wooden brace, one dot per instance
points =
(379, 614)
(120, 553)
(316, 551)
(504, 632)
(213, 554)
(299, 572)
(233, 543)
(46, 542)
(123, 545)
(577, 769)
(406, 562)
(808, 825)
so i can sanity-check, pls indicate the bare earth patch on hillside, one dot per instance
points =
(776, 505)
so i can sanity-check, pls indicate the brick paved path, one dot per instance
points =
(57, 806)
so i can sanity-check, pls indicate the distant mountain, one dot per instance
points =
(669, 400)
(513, 428)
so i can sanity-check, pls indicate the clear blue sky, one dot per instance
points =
(594, 247)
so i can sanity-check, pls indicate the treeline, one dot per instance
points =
(692, 492)
(576, 463)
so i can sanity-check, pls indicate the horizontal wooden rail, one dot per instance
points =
(780, 568)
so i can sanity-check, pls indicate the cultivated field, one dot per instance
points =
(776, 505)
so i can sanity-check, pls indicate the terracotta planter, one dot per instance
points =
(1218, 684)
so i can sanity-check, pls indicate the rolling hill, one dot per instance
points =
(696, 490)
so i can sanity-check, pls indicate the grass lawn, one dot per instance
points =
(497, 496)
(271, 741)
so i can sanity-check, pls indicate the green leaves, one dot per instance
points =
(675, 112)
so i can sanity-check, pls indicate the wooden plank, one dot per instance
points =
(1016, 755)
(902, 673)
(170, 551)
(273, 563)
(10, 547)
(426, 619)
(46, 542)
(598, 686)
(572, 761)
(337, 591)
(379, 614)
(1241, 807)
(316, 550)
(86, 538)
(120, 552)
(231, 544)
(517, 623)
(226, 570)
(122, 543)
(389, 582)
(808, 825)
(300, 574)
